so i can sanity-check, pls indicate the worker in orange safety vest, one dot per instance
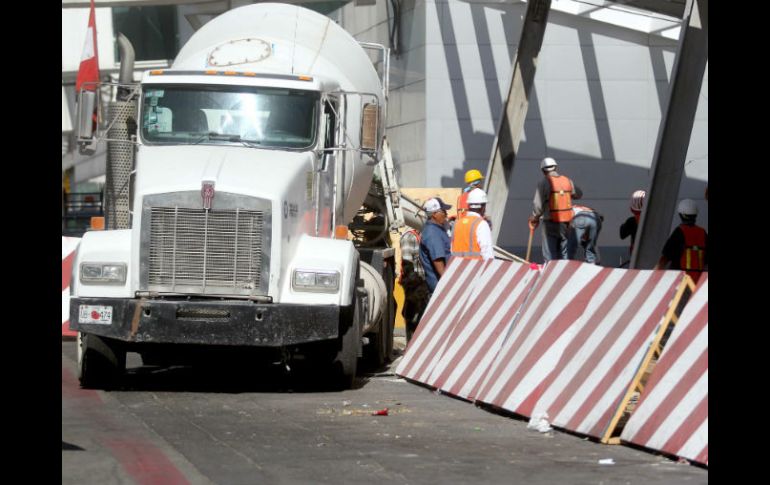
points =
(553, 204)
(687, 247)
(472, 237)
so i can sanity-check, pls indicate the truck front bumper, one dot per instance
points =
(210, 322)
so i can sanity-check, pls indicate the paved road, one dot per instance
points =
(235, 425)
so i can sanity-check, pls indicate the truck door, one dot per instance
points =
(326, 175)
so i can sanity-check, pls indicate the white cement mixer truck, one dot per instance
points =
(254, 203)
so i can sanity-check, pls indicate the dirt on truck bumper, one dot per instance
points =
(205, 322)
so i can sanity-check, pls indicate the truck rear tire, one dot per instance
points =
(391, 324)
(380, 348)
(101, 361)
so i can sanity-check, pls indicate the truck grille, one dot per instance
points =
(215, 251)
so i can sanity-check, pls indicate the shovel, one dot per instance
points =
(529, 244)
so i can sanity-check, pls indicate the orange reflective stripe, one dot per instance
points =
(472, 241)
(694, 252)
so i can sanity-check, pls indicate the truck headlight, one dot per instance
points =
(323, 281)
(100, 273)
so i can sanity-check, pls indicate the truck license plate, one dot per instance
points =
(95, 314)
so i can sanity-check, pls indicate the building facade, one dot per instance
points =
(601, 85)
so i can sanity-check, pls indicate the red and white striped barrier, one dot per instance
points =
(582, 336)
(672, 413)
(449, 301)
(498, 294)
(68, 247)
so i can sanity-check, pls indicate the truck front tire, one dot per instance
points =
(101, 361)
(345, 363)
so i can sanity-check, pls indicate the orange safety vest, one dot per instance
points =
(560, 200)
(464, 241)
(462, 205)
(694, 250)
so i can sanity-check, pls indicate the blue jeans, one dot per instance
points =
(585, 233)
(555, 240)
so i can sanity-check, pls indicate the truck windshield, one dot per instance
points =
(227, 115)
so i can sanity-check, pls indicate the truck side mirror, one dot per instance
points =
(86, 107)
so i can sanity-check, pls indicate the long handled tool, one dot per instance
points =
(529, 244)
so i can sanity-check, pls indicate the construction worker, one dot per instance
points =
(553, 204)
(687, 247)
(473, 180)
(586, 224)
(628, 228)
(412, 279)
(434, 242)
(472, 237)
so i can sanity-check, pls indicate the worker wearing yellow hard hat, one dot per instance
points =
(473, 180)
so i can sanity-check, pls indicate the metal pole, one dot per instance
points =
(673, 137)
(511, 126)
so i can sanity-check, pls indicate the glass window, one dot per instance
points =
(153, 31)
(324, 7)
(252, 116)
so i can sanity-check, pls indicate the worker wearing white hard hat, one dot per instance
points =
(472, 236)
(553, 204)
(687, 247)
(628, 228)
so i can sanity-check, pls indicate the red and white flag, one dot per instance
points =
(89, 63)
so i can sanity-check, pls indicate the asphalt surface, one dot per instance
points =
(231, 424)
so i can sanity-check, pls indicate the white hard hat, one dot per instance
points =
(637, 200)
(548, 163)
(477, 197)
(687, 207)
(435, 204)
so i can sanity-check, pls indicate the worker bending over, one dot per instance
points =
(586, 225)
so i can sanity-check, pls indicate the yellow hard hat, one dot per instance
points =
(472, 176)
